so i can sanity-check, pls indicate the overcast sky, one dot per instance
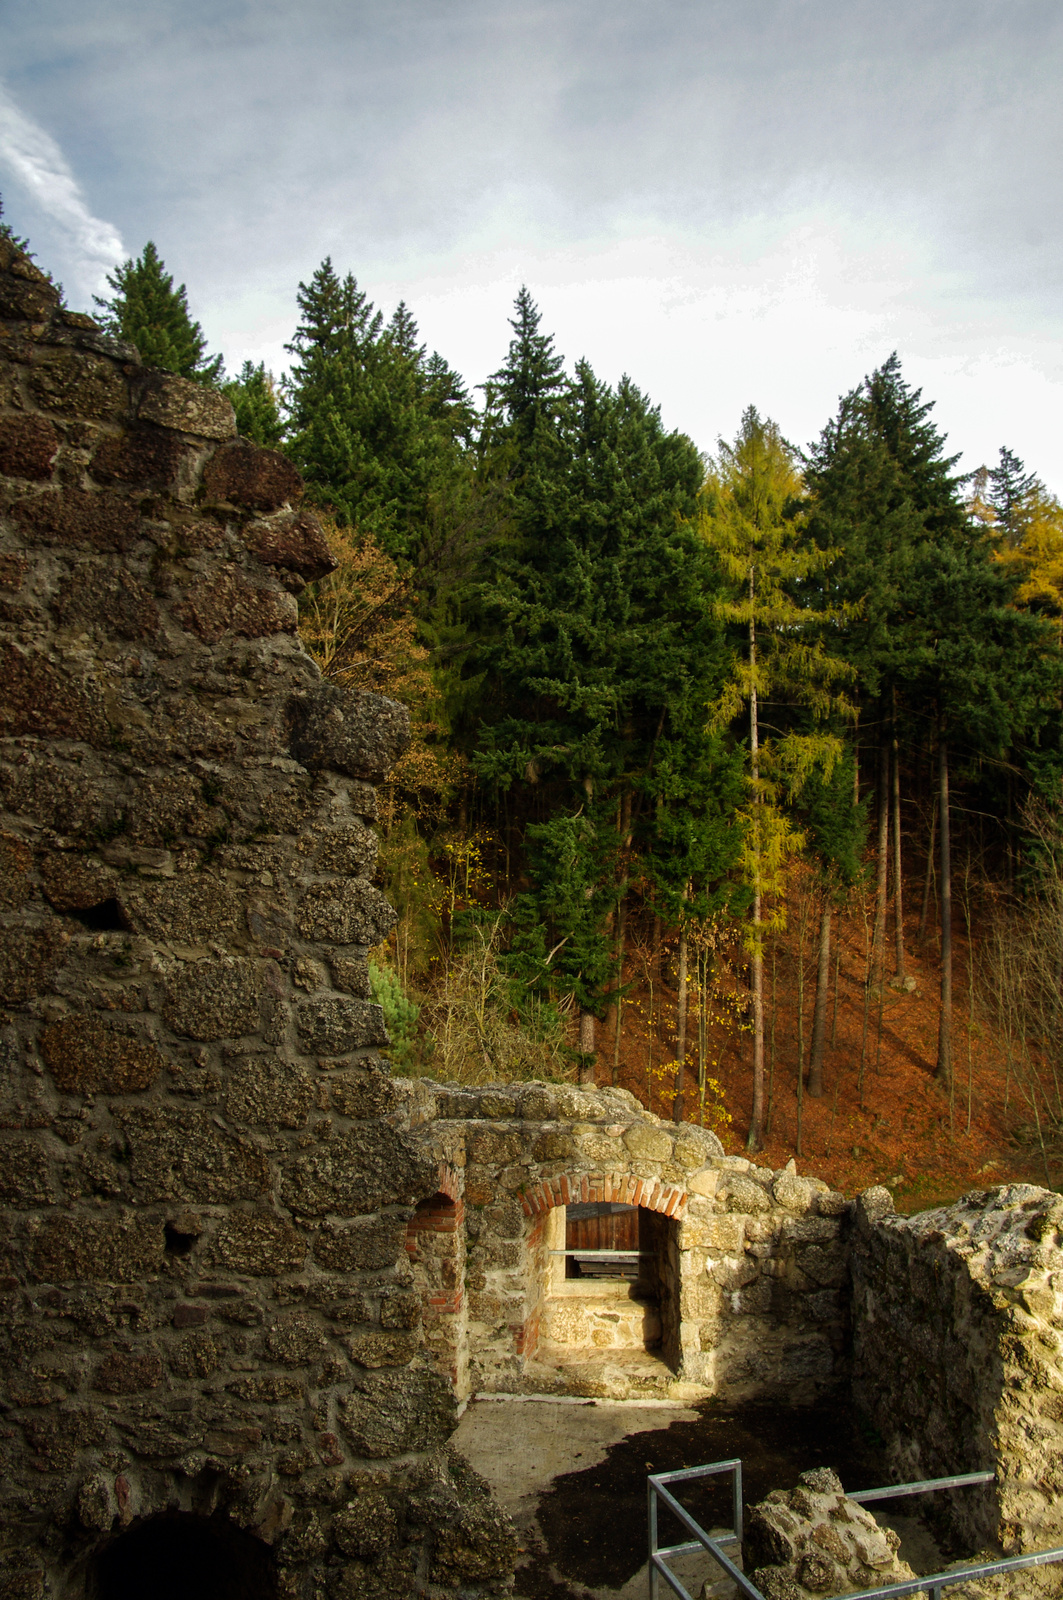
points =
(750, 201)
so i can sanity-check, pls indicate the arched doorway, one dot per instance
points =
(177, 1555)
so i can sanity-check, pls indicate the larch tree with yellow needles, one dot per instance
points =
(751, 518)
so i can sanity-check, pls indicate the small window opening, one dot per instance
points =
(177, 1556)
(604, 1239)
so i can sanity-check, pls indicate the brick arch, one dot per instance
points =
(447, 1182)
(622, 1188)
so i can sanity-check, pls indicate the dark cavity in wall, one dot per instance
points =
(103, 918)
(183, 1557)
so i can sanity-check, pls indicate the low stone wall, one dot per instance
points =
(753, 1263)
(958, 1360)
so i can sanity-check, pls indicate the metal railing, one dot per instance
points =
(933, 1585)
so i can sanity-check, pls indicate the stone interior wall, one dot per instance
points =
(754, 1293)
(205, 1178)
(958, 1360)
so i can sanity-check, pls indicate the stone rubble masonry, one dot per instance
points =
(958, 1360)
(754, 1263)
(205, 1170)
(812, 1541)
(945, 1328)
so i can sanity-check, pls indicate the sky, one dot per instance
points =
(734, 203)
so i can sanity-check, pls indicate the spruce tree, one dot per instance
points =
(149, 312)
(254, 400)
(592, 620)
(932, 632)
(1010, 488)
(376, 429)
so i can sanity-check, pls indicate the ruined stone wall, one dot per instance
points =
(958, 1360)
(205, 1177)
(756, 1261)
(435, 1244)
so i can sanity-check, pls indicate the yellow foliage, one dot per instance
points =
(1038, 556)
(360, 626)
(748, 519)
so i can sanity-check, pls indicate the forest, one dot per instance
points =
(735, 776)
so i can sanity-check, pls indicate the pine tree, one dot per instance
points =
(990, 673)
(688, 844)
(149, 312)
(253, 398)
(524, 395)
(883, 493)
(520, 446)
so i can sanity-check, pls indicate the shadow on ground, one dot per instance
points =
(593, 1521)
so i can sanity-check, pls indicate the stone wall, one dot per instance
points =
(957, 1318)
(205, 1177)
(753, 1263)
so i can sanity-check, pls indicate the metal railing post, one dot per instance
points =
(655, 1586)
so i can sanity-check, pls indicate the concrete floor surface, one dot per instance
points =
(521, 1445)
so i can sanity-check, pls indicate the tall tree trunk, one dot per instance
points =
(943, 1070)
(878, 943)
(929, 879)
(658, 973)
(704, 958)
(681, 1020)
(621, 927)
(802, 924)
(819, 1014)
(587, 1045)
(608, 923)
(898, 895)
(756, 1122)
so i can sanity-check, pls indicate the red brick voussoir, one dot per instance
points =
(573, 1189)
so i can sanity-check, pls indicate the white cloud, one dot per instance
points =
(38, 164)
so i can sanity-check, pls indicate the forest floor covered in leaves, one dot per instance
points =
(892, 1123)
